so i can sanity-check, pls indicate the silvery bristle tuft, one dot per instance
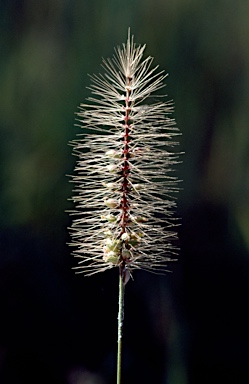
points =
(124, 182)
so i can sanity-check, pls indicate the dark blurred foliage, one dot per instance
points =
(190, 326)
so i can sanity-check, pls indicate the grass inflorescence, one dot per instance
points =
(124, 180)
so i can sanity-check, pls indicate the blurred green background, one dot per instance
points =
(187, 327)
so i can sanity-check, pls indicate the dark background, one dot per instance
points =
(188, 327)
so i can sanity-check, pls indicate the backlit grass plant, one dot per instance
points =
(123, 177)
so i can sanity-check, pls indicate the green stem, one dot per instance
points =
(120, 325)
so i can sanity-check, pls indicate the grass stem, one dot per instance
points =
(120, 325)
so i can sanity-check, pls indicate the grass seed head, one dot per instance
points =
(124, 174)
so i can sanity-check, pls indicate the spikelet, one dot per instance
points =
(123, 176)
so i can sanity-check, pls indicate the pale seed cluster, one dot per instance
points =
(124, 177)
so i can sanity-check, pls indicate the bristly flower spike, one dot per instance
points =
(123, 176)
